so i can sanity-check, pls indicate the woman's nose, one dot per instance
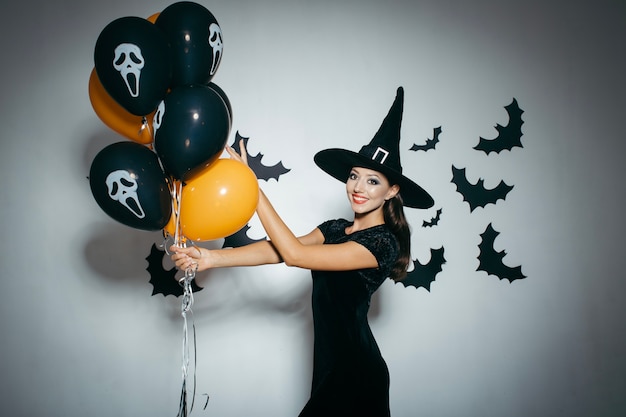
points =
(357, 186)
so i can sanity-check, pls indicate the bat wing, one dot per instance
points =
(163, 281)
(430, 143)
(509, 136)
(424, 275)
(264, 172)
(434, 221)
(239, 239)
(490, 260)
(477, 195)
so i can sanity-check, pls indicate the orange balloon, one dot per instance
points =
(170, 227)
(153, 17)
(218, 201)
(113, 115)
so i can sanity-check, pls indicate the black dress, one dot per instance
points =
(350, 377)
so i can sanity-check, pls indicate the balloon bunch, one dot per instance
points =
(152, 83)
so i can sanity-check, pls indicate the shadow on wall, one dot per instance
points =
(117, 253)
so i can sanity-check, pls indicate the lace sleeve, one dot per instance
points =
(382, 244)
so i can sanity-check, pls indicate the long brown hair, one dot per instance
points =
(393, 210)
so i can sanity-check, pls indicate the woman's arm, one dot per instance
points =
(258, 253)
(315, 255)
(312, 254)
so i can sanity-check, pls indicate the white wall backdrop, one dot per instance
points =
(82, 335)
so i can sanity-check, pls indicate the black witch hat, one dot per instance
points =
(382, 154)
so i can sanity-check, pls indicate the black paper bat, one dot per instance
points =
(490, 260)
(430, 143)
(477, 195)
(434, 221)
(508, 136)
(263, 172)
(164, 281)
(424, 275)
(239, 239)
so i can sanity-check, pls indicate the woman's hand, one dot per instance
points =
(243, 158)
(190, 257)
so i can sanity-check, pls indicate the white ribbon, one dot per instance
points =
(186, 305)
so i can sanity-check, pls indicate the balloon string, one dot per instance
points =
(178, 191)
(175, 192)
(186, 305)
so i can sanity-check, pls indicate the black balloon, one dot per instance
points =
(192, 130)
(128, 183)
(196, 41)
(224, 97)
(133, 62)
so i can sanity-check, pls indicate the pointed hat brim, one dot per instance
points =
(339, 162)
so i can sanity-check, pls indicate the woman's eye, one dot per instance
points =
(352, 176)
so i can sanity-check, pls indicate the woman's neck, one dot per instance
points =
(366, 220)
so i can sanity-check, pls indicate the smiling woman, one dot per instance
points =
(349, 261)
(368, 190)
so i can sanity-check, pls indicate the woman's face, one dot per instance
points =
(368, 190)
